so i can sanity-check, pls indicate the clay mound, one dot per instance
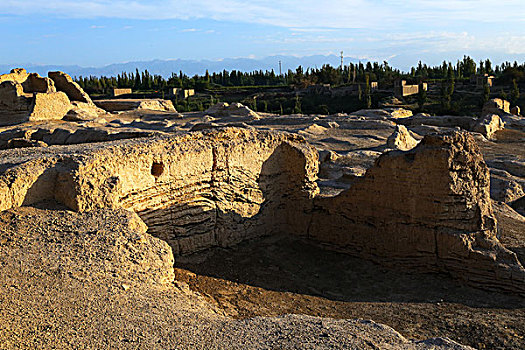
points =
(90, 246)
(81, 112)
(390, 113)
(315, 129)
(401, 139)
(223, 109)
(488, 125)
(118, 105)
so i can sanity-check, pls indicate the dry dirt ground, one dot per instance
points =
(87, 281)
(51, 297)
(283, 275)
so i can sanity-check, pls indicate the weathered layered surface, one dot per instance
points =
(427, 208)
(61, 133)
(30, 97)
(96, 280)
(202, 190)
(131, 104)
(195, 191)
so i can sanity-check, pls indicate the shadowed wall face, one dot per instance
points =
(428, 209)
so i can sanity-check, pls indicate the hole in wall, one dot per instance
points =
(157, 169)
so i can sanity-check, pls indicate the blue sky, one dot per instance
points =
(101, 32)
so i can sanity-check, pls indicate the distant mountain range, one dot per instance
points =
(189, 67)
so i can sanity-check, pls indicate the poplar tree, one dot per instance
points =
(486, 94)
(421, 97)
(515, 92)
(368, 96)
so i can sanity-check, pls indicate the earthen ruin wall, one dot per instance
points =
(428, 208)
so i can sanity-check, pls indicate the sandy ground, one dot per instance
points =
(281, 275)
(220, 294)
(83, 281)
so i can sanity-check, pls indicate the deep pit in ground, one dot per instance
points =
(287, 275)
(411, 210)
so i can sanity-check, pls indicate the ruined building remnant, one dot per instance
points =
(181, 93)
(401, 89)
(30, 97)
(481, 80)
(120, 92)
(428, 208)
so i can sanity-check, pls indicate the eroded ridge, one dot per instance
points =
(428, 208)
(195, 191)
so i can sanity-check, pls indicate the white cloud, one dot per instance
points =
(455, 42)
(374, 27)
(297, 14)
(313, 30)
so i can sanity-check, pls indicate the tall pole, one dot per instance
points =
(342, 60)
(280, 69)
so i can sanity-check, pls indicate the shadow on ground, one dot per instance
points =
(289, 264)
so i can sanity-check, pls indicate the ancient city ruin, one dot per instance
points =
(146, 187)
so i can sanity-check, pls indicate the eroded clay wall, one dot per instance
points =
(428, 208)
(200, 190)
(30, 97)
(17, 75)
(65, 83)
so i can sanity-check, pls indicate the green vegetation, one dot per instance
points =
(421, 97)
(515, 93)
(368, 92)
(447, 87)
(450, 89)
(486, 94)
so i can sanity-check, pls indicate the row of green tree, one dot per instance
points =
(385, 75)
(450, 73)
